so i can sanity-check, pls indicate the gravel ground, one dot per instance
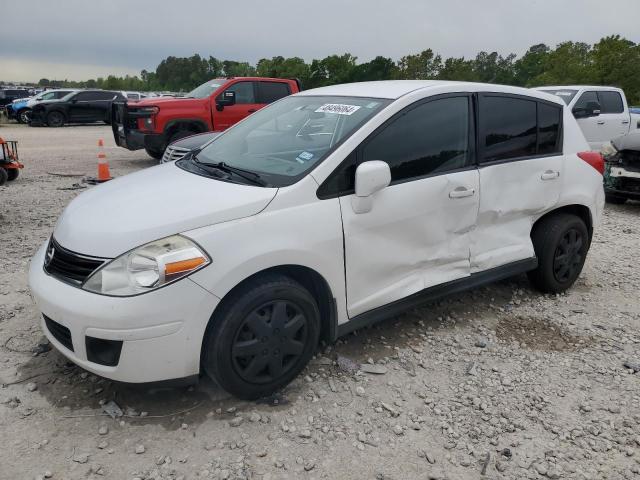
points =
(498, 383)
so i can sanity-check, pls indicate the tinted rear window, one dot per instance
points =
(610, 102)
(271, 91)
(508, 127)
(549, 121)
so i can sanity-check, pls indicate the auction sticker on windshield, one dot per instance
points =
(338, 108)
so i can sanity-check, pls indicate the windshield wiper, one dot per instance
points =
(222, 166)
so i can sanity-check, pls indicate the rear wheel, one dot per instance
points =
(12, 173)
(615, 199)
(3, 176)
(157, 154)
(55, 119)
(561, 243)
(262, 336)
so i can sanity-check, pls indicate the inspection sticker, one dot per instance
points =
(339, 108)
(304, 157)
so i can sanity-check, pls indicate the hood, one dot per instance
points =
(112, 218)
(152, 101)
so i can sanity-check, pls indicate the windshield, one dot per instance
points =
(285, 140)
(564, 93)
(205, 90)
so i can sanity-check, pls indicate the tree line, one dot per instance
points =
(611, 61)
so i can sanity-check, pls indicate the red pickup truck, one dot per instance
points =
(153, 123)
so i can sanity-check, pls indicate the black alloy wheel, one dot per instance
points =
(269, 341)
(561, 242)
(55, 119)
(261, 336)
(568, 255)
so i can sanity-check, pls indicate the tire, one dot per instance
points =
(245, 346)
(24, 116)
(561, 243)
(178, 135)
(55, 119)
(12, 174)
(614, 199)
(157, 154)
(4, 176)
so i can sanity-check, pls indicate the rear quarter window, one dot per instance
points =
(611, 102)
(269, 92)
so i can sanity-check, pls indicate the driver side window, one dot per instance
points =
(428, 139)
(244, 92)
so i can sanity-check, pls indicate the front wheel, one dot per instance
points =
(561, 243)
(24, 115)
(262, 336)
(55, 119)
(157, 154)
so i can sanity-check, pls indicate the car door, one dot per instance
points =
(521, 165)
(417, 233)
(89, 106)
(614, 114)
(596, 129)
(101, 105)
(245, 105)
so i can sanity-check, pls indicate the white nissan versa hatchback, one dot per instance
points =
(322, 213)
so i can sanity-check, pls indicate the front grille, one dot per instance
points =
(172, 153)
(68, 266)
(59, 332)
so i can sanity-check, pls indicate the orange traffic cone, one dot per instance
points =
(103, 165)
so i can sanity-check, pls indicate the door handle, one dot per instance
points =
(252, 110)
(625, 122)
(461, 192)
(600, 122)
(550, 175)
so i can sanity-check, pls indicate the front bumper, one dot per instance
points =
(160, 332)
(622, 182)
(125, 133)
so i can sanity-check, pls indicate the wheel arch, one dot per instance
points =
(581, 211)
(194, 125)
(309, 278)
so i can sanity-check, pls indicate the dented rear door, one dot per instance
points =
(521, 166)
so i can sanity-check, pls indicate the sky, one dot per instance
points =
(81, 39)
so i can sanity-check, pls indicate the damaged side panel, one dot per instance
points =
(416, 236)
(512, 196)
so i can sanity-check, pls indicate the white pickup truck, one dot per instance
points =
(601, 112)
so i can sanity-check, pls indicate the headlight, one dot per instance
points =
(148, 267)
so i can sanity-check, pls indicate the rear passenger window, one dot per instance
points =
(430, 138)
(549, 121)
(271, 91)
(610, 102)
(508, 127)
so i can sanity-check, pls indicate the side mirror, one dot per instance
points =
(592, 109)
(225, 99)
(371, 177)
